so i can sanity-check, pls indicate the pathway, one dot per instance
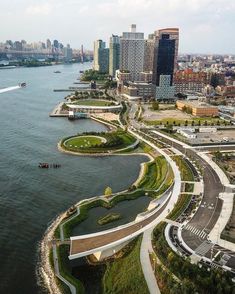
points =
(145, 249)
(57, 271)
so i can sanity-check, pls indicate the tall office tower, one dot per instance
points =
(48, 44)
(101, 56)
(17, 46)
(165, 60)
(68, 53)
(165, 53)
(173, 35)
(114, 55)
(149, 53)
(132, 53)
(82, 54)
(24, 44)
(56, 44)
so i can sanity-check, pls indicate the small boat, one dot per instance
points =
(47, 165)
(57, 71)
(22, 85)
(81, 71)
(43, 165)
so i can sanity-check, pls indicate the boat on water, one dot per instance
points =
(22, 85)
(47, 165)
(57, 71)
(7, 67)
(81, 71)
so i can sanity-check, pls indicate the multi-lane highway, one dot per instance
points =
(195, 233)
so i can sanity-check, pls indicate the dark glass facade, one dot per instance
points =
(164, 57)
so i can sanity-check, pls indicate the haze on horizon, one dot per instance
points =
(206, 26)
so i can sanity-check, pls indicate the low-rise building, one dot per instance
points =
(138, 89)
(197, 108)
(146, 77)
(122, 77)
(189, 80)
(188, 133)
(207, 130)
(165, 91)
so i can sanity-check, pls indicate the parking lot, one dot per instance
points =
(221, 136)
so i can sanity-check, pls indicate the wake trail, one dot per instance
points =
(9, 89)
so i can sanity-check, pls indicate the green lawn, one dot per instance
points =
(185, 171)
(111, 217)
(125, 275)
(155, 174)
(65, 269)
(83, 142)
(112, 141)
(93, 102)
(180, 206)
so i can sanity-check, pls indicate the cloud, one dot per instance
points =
(40, 9)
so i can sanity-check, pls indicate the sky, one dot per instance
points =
(206, 26)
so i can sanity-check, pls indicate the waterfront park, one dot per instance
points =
(122, 271)
(154, 179)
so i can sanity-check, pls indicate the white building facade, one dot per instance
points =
(132, 45)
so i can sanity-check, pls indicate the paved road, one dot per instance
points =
(205, 217)
(196, 231)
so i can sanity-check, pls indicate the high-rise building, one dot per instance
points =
(56, 44)
(165, 60)
(82, 54)
(48, 44)
(17, 46)
(114, 54)
(101, 56)
(173, 35)
(68, 53)
(132, 53)
(149, 53)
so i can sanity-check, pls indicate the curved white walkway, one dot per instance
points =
(145, 249)
(146, 245)
(57, 272)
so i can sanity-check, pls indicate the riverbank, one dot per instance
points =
(48, 239)
(45, 269)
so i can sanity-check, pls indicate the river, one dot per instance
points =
(30, 198)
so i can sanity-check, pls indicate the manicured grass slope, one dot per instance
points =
(155, 173)
(125, 274)
(93, 102)
(114, 141)
(80, 142)
(185, 171)
(65, 271)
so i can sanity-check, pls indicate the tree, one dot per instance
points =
(218, 155)
(214, 82)
(108, 191)
(155, 105)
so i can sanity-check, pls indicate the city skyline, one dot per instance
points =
(204, 25)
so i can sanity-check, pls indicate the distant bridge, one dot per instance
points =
(30, 52)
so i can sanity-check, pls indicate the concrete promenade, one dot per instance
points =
(146, 246)
(145, 249)
(57, 271)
